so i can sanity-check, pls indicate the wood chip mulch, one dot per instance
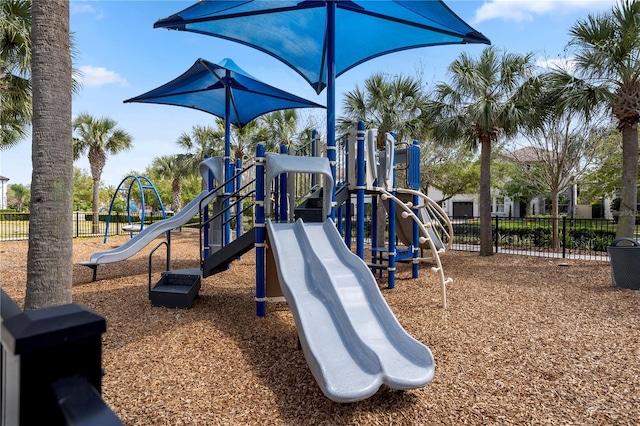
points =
(524, 340)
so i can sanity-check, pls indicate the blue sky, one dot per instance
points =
(122, 56)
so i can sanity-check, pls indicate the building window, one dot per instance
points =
(499, 204)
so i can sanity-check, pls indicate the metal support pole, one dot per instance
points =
(331, 99)
(391, 256)
(360, 191)
(261, 286)
(415, 247)
(283, 213)
(238, 202)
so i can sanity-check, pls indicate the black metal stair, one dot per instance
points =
(220, 260)
(311, 209)
(176, 289)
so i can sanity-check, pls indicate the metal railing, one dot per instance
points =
(534, 236)
(577, 238)
(15, 226)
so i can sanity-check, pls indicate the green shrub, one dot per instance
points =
(14, 216)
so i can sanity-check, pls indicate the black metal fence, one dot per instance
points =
(583, 238)
(576, 238)
(15, 226)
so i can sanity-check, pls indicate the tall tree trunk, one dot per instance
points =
(176, 190)
(486, 238)
(95, 202)
(50, 254)
(629, 190)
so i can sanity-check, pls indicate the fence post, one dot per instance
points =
(77, 224)
(46, 346)
(564, 236)
(496, 233)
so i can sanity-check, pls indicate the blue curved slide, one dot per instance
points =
(148, 234)
(350, 338)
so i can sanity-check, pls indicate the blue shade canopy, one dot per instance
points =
(298, 32)
(213, 88)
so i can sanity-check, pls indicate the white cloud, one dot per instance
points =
(566, 64)
(527, 10)
(79, 8)
(85, 8)
(99, 76)
(82, 8)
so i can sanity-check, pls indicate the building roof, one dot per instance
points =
(528, 154)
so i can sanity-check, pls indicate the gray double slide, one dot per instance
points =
(350, 338)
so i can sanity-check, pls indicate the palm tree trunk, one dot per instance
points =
(486, 238)
(50, 254)
(629, 190)
(95, 221)
(176, 190)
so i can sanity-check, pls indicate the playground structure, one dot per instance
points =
(126, 185)
(364, 346)
(302, 234)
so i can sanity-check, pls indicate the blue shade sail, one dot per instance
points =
(211, 87)
(321, 39)
(297, 32)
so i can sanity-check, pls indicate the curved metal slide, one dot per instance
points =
(148, 234)
(350, 338)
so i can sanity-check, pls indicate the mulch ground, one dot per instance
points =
(524, 340)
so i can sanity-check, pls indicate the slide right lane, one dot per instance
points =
(339, 309)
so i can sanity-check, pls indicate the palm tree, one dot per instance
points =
(203, 140)
(19, 195)
(174, 167)
(15, 64)
(50, 253)
(280, 127)
(99, 137)
(607, 64)
(244, 139)
(387, 103)
(483, 102)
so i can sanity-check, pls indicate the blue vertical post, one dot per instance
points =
(415, 200)
(228, 173)
(261, 285)
(238, 201)
(391, 268)
(360, 191)
(348, 157)
(283, 216)
(143, 205)
(331, 97)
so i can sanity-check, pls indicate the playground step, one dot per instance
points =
(311, 209)
(176, 289)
